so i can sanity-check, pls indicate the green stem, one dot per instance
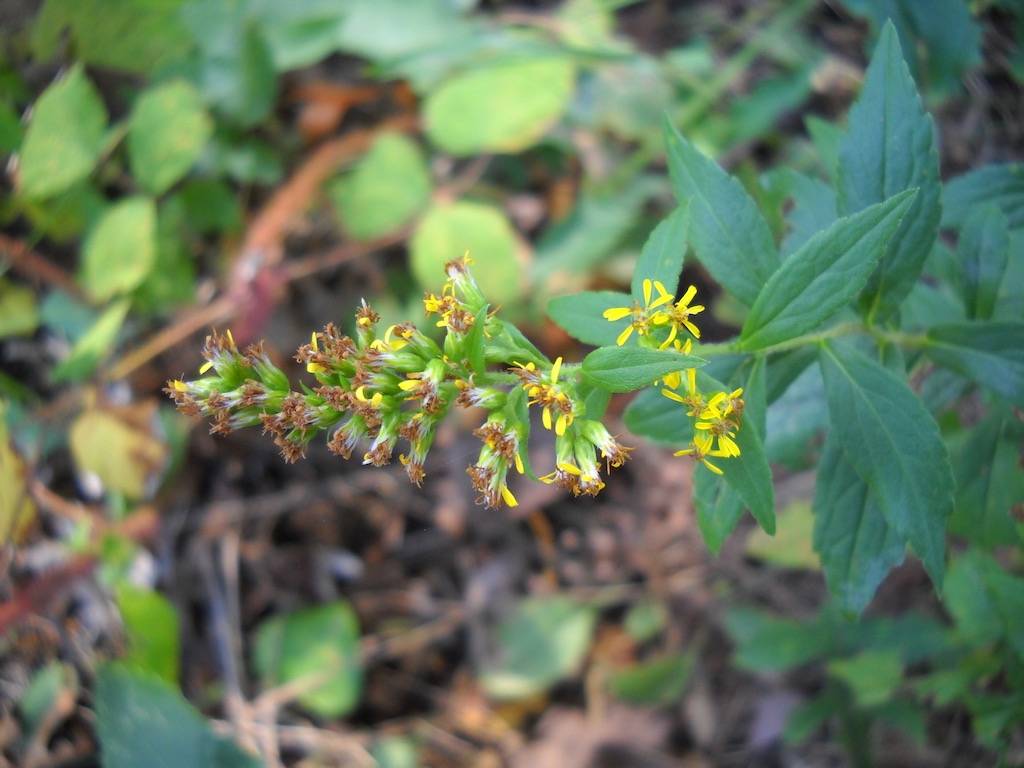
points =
(907, 340)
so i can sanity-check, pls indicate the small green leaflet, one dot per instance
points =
(623, 369)
(727, 230)
(823, 276)
(857, 546)
(983, 252)
(990, 353)
(475, 341)
(889, 148)
(999, 184)
(662, 256)
(894, 445)
(579, 315)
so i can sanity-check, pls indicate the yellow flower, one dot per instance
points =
(693, 400)
(641, 317)
(315, 367)
(674, 379)
(679, 314)
(700, 449)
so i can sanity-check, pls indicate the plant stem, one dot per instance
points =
(908, 340)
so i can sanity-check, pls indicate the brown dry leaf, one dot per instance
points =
(118, 446)
(17, 511)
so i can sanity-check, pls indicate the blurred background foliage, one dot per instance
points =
(177, 164)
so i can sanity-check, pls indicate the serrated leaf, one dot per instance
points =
(983, 252)
(872, 676)
(141, 720)
(890, 148)
(121, 249)
(1002, 185)
(65, 136)
(322, 640)
(990, 353)
(151, 626)
(728, 233)
(655, 417)
(543, 640)
(386, 189)
(623, 369)
(580, 315)
(501, 106)
(167, 131)
(823, 276)
(662, 255)
(448, 230)
(857, 546)
(813, 209)
(894, 445)
(653, 682)
(94, 345)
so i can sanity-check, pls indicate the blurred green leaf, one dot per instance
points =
(321, 641)
(65, 136)
(151, 629)
(141, 720)
(395, 752)
(805, 719)
(45, 686)
(872, 676)
(791, 546)
(653, 682)
(813, 209)
(210, 206)
(500, 106)
(166, 134)
(895, 447)
(121, 453)
(19, 314)
(448, 230)
(986, 602)
(388, 186)
(543, 640)
(17, 510)
(579, 315)
(999, 184)
(121, 249)
(655, 417)
(171, 282)
(890, 148)
(65, 216)
(136, 36)
(983, 251)
(765, 643)
(827, 137)
(390, 29)
(94, 345)
(645, 620)
(990, 353)
(11, 132)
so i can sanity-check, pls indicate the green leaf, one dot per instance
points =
(126, 35)
(990, 353)
(1002, 185)
(890, 148)
(768, 644)
(989, 483)
(65, 216)
(141, 720)
(728, 233)
(17, 510)
(805, 719)
(19, 314)
(388, 30)
(41, 694)
(315, 641)
(662, 255)
(475, 341)
(65, 137)
(594, 397)
(813, 209)
(645, 620)
(542, 641)
(579, 315)
(826, 137)
(823, 276)
(167, 131)
(500, 106)
(983, 253)
(448, 230)
(123, 455)
(94, 345)
(857, 546)
(210, 206)
(791, 546)
(986, 602)
(654, 682)
(894, 445)
(121, 249)
(151, 626)
(387, 188)
(653, 416)
(872, 676)
(718, 505)
(623, 369)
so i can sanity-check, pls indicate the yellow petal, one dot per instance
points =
(546, 417)
(691, 380)
(509, 499)
(616, 313)
(670, 338)
(231, 338)
(692, 329)
(647, 291)
(555, 369)
(687, 297)
(696, 309)
(624, 336)
(205, 367)
(572, 469)
(519, 465)
(315, 368)
(672, 380)
(560, 425)
(684, 452)
(712, 467)
(673, 395)
(178, 385)
(408, 384)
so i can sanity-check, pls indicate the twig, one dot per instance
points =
(37, 267)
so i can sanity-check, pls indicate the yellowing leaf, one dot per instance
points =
(117, 449)
(791, 546)
(17, 511)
